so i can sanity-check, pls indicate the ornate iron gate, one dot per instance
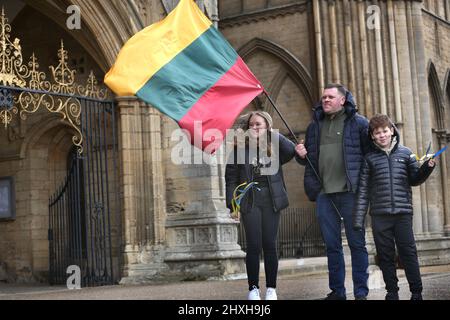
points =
(80, 211)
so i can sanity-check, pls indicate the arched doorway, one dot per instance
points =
(44, 115)
(438, 204)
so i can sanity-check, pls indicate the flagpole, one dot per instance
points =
(307, 158)
(281, 116)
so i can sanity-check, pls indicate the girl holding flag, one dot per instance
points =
(259, 194)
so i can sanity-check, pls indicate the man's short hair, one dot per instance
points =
(340, 88)
(379, 121)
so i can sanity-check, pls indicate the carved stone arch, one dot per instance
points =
(209, 6)
(275, 87)
(295, 69)
(34, 133)
(447, 98)
(436, 94)
(105, 25)
(447, 85)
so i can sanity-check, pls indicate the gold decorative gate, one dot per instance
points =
(34, 91)
(80, 210)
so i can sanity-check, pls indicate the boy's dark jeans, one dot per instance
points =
(388, 231)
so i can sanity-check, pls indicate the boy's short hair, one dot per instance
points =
(380, 121)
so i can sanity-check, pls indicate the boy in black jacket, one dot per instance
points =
(387, 175)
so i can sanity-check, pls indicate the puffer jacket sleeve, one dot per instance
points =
(307, 137)
(418, 174)
(232, 179)
(364, 135)
(362, 197)
(287, 149)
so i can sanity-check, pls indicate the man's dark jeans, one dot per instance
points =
(330, 225)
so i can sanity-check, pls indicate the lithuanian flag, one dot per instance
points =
(184, 67)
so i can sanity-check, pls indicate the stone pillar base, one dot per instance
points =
(447, 230)
(178, 268)
(433, 251)
(203, 246)
(144, 265)
(143, 273)
(206, 268)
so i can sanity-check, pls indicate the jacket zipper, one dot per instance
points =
(253, 189)
(345, 158)
(318, 153)
(392, 182)
(269, 180)
(345, 162)
(270, 190)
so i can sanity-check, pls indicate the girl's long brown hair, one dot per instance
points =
(269, 123)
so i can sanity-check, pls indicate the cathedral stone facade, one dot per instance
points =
(170, 221)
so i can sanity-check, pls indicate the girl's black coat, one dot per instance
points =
(235, 174)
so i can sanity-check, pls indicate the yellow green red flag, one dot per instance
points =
(184, 67)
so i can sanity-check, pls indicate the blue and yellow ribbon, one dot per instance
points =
(429, 155)
(239, 193)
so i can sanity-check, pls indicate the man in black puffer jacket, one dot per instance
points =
(387, 175)
(336, 141)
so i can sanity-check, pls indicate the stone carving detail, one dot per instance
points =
(14, 132)
(228, 234)
(181, 236)
(176, 207)
(203, 236)
(170, 4)
(141, 5)
(263, 15)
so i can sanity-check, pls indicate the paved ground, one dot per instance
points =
(291, 286)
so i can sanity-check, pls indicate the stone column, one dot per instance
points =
(349, 56)
(318, 41)
(409, 105)
(334, 52)
(417, 125)
(380, 68)
(212, 11)
(446, 163)
(430, 189)
(447, 10)
(442, 164)
(365, 63)
(395, 72)
(201, 237)
(143, 191)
